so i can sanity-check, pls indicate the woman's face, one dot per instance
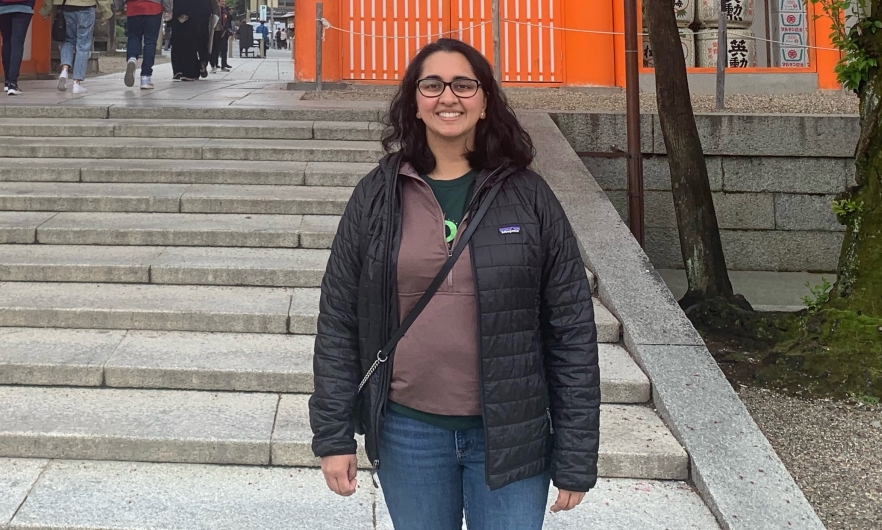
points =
(449, 117)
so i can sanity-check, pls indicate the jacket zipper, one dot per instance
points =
(478, 188)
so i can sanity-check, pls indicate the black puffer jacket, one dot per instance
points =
(538, 341)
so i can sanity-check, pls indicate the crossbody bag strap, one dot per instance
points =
(383, 355)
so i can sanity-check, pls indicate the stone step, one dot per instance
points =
(199, 110)
(160, 229)
(159, 307)
(182, 308)
(64, 494)
(176, 172)
(250, 428)
(190, 198)
(270, 267)
(189, 149)
(231, 129)
(210, 361)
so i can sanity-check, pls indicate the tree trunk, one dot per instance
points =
(700, 243)
(858, 286)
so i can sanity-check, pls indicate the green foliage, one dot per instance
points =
(845, 209)
(820, 294)
(853, 68)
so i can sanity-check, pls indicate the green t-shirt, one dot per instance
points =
(453, 196)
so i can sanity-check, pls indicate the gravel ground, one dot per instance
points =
(822, 102)
(833, 450)
(114, 64)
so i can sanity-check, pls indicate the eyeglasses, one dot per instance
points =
(462, 87)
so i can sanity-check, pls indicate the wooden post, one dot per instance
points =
(632, 119)
(319, 32)
(497, 54)
(722, 57)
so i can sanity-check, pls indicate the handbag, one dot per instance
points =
(384, 354)
(59, 25)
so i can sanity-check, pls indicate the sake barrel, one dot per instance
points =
(740, 48)
(684, 11)
(687, 40)
(739, 13)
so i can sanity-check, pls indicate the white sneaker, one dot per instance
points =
(146, 82)
(130, 72)
(14, 90)
(79, 89)
(62, 80)
(5, 87)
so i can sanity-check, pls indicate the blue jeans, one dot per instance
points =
(431, 475)
(146, 28)
(14, 29)
(80, 25)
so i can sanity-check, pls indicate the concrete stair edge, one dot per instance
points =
(63, 494)
(251, 429)
(210, 361)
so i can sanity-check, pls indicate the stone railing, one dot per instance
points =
(732, 464)
(772, 177)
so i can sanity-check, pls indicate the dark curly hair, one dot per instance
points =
(499, 138)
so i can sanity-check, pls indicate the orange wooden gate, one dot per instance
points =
(382, 35)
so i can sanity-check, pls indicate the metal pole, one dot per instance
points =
(632, 98)
(319, 31)
(722, 56)
(497, 58)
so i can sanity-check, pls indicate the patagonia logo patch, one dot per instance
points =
(510, 230)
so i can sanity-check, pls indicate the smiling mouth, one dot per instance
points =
(450, 115)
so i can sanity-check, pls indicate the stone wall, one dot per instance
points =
(772, 178)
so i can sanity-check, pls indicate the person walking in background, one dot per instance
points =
(143, 23)
(278, 39)
(264, 31)
(166, 35)
(189, 54)
(222, 31)
(15, 18)
(79, 20)
(284, 39)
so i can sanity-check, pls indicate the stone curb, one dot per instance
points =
(729, 134)
(736, 471)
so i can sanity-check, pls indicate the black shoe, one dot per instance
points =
(203, 71)
(177, 77)
(13, 90)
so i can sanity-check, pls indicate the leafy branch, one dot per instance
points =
(853, 68)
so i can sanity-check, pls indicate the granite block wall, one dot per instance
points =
(772, 177)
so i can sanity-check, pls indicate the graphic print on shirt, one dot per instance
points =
(450, 230)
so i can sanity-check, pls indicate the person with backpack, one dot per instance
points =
(222, 31)
(15, 18)
(143, 24)
(79, 24)
(456, 326)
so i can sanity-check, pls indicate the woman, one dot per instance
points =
(76, 50)
(221, 34)
(189, 54)
(494, 389)
(15, 18)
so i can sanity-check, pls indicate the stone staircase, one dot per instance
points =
(159, 286)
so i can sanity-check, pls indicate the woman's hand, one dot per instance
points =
(566, 500)
(339, 471)
(183, 18)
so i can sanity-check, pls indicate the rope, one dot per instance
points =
(327, 25)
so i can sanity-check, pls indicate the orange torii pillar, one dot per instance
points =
(305, 45)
